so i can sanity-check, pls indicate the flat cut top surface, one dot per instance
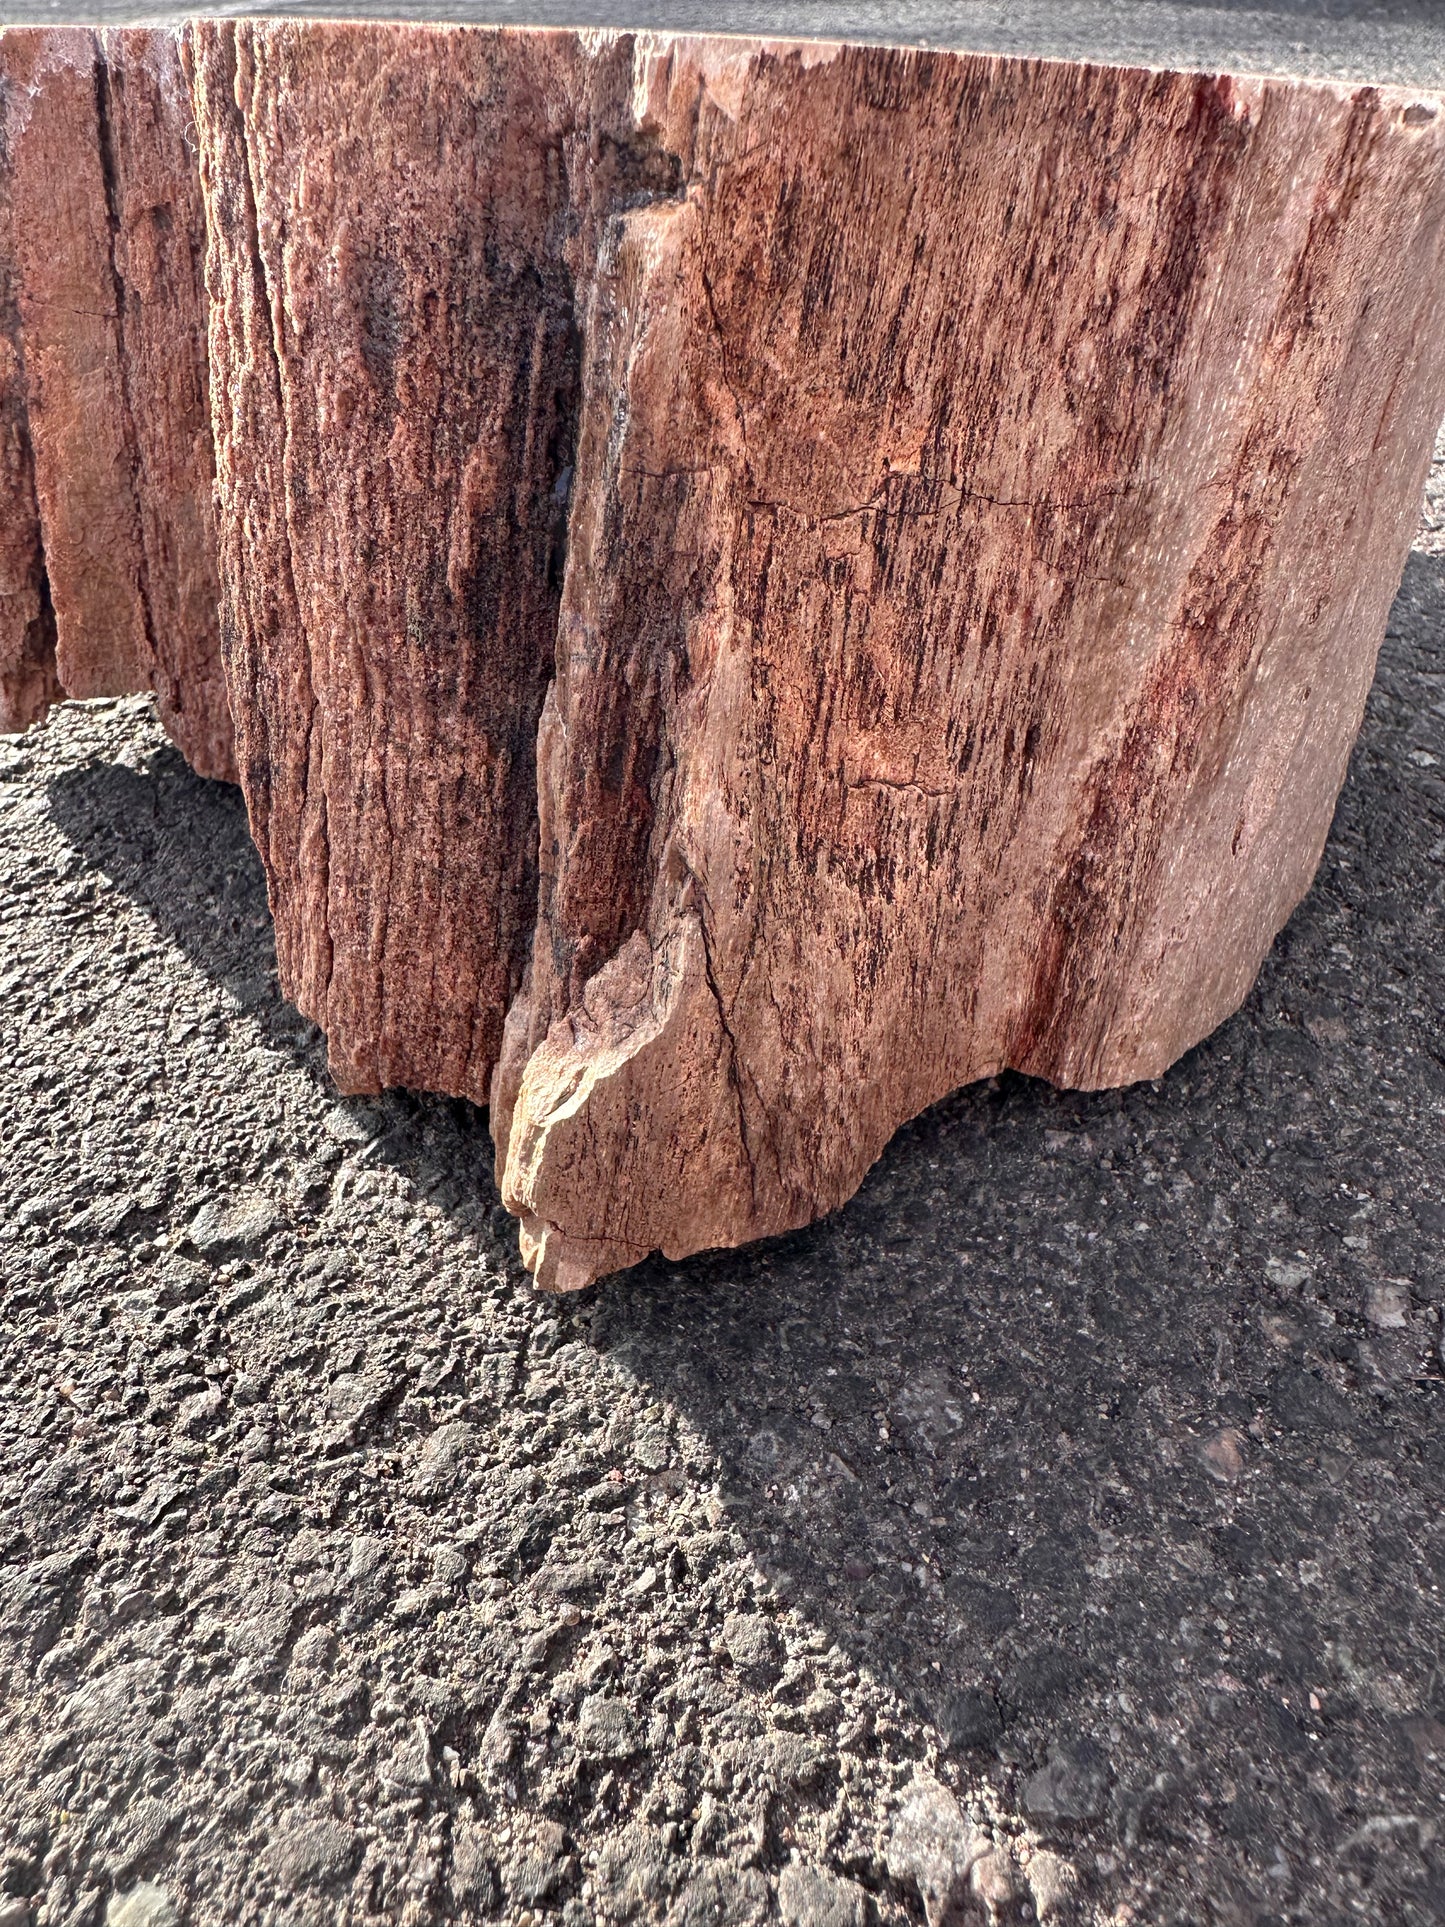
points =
(1400, 41)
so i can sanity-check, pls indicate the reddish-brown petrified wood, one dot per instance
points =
(759, 582)
(399, 217)
(28, 679)
(103, 245)
(958, 564)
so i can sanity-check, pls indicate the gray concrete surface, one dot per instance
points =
(1087, 1465)
(1380, 40)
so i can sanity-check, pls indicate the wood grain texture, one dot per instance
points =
(104, 256)
(76, 387)
(158, 236)
(395, 353)
(957, 570)
(29, 683)
(400, 219)
(759, 582)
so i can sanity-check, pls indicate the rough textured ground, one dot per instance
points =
(1381, 40)
(1089, 1461)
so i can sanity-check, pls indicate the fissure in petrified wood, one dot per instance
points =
(793, 575)
(400, 219)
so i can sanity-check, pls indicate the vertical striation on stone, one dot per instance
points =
(79, 425)
(106, 383)
(951, 672)
(394, 350)
(398, 220)
(158, 229)
(28, 680)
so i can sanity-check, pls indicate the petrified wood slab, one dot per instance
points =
(109, 518)
(758, 582)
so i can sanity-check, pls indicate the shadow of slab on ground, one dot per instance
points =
(1119, 1416)
(1107, 1430)
(179, 847)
